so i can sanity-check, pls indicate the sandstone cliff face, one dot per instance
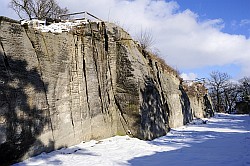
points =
(57, 90)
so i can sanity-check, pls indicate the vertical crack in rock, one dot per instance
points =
(106, 52)
(208, 106)
(110, 50)
(164, 101)
(73, 82)
(127, 90)
(123, 118)
(82, 75)
(85, 79)
(106, 38)
(46, 47)
(111, 77)
(186, 108)
(104, 68)
(44, 87)
(84, 72)
(95, 58)
(5, 60)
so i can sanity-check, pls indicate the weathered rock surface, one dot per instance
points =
(94, 82)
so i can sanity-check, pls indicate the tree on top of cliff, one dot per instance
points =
(40, 9)
(145, 39)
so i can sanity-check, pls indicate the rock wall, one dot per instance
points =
(57, 90)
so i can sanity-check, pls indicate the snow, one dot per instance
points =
(60, 27)
(222, 140)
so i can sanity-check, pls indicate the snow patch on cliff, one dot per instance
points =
(64, 26)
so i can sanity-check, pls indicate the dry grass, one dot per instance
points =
(196, 89)
(164, 65)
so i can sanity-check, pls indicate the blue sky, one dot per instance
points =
(194, 36)
(235, 17)
(232, 12)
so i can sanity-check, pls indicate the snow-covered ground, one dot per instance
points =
(223, 140)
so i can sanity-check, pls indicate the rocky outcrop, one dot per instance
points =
(57, 90)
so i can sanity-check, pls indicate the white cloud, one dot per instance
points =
(245, 22)
(188, 76)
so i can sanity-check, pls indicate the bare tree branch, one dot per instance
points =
(145, 39)
(40, 9)
(218, 82)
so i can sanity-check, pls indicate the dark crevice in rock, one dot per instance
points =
(44, 86)
(186, 107)
(150, 62)
(105, 52)
(208, 107)
(73, 70)
(111, 81)
(106, 38)
(164, 101)
(123, 118)
(5, 60)
(81, 109)
(72, 121)
(109, 67)
(119, 108)
(144, 53)
(85, 74)
(158, 75)
(86, 82)
(95, 58)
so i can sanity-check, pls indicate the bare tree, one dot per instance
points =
(228, 95)
(231, 93)
(245, 87)
(218, 82)
(145, 39)
(37, 8)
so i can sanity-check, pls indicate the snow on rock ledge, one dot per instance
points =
(63, 26)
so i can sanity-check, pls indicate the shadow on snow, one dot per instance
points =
(203, 148)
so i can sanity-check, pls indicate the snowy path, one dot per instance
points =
(224, 140)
